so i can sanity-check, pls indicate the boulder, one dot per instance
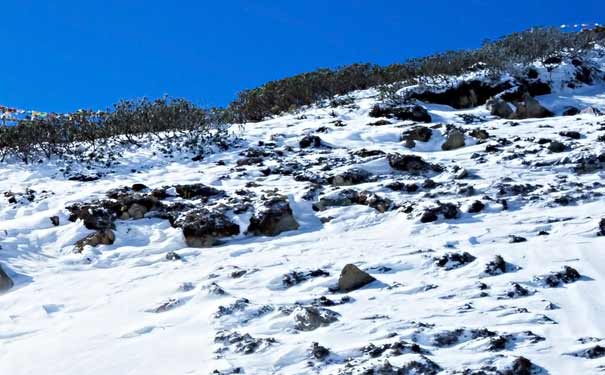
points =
(310, 141)
(5, 282)
(498, 107)
(454, 140)
(571, 111)
(529, 107)
(352, 278)
(100, 237)
(414, 113)
(412, 164)
(556, 146)
(205, 228)
(309, 318)
(353, 176)
(417, 133)
(93, 215)
(274, 217)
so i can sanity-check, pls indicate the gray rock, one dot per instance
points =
(454, 140)
(498, 107)
(530, 108)
(352, 278)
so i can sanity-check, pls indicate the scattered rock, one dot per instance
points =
(245, 344)
(516, 239)
(352, 278)
(596, 351)
(319, 352)
(556, 146)
(296, 277)
(571, 134)
(353, 176)
(171, 255)
(476, 207)
(349, 197)
(54, 220)
(566, 276)
(529, 107)
(571, 111)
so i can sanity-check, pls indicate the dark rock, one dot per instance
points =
(139, 187)
(520, 366)
(93, 215)
(274, 217)
(467, 94)
(452, 261)
(417, 133)
(54, 220)
(171, 255)
(570, 134)
(245, 344)
(319, 352)
(602, 227)
(566, 276)
(571, 111)
(476, 206)
(310, 318)
(5, 282)
(352, 278)
(479, 134)
(204, 228)
(380, 123)
(516, 239)
(429, 216)
(296, 277)
(363, 153)
(412, 164)
(495, 267)
(310, 141)
(193, 191)
(556, 146)
(596, 351)
(414, 113)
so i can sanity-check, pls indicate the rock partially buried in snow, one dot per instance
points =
(274, 217)
(454, 140)
(530, 108)
(352, 278)
(411, 164)
(5, 282)
(498, 107)
(310, 318)
(100, 237)
(204, 228)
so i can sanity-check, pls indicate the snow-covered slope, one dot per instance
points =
(256, 304)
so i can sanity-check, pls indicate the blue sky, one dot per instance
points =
(64, 55)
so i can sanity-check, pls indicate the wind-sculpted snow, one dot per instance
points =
(322, 242)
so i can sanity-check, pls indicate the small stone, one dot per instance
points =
(352, 278)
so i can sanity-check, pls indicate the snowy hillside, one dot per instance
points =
(475, 241)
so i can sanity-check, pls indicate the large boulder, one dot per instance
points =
(453, 140)
(529, 107)
(205, 228)
(412, 164)
(352, 278)
(5, 282)
(499, 107)
(274, 217)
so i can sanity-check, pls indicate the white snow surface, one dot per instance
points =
(93, 313)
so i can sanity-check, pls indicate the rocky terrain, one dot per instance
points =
(448, 229)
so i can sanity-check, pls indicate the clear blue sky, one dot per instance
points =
(64, 55)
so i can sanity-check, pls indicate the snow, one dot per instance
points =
(93, 313)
